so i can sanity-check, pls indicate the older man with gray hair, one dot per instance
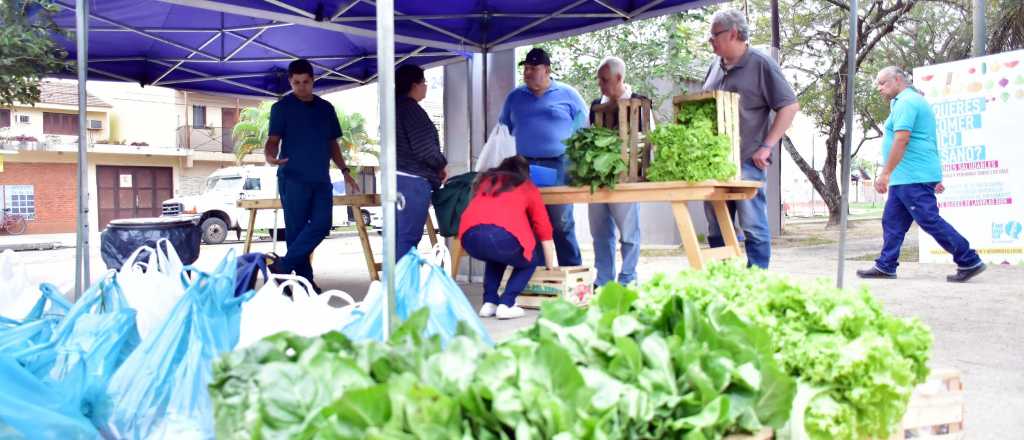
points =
(611, 75)
(767, 107)
(912, 176)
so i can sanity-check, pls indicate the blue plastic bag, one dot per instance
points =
(91, 342)
(160, 392)
(36, 328)
(249, 267)
(418, 284)
(31, 409)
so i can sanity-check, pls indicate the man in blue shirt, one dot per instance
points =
(541, 114)
(306, 129)
(912, 175)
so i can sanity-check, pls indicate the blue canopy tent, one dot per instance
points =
(244, 46)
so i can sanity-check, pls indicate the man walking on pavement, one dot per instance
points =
(912, 176)
(306, 129)
(541, 114)
(757, 78)
(605, 217)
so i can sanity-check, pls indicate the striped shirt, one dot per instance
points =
(417, 147)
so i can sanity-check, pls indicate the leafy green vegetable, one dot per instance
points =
(613, 371)
(595, 157)
(692, 150)
(858, 364)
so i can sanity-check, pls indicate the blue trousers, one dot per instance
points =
(604, 218)
(410, 220)
(307, 220)
(753, 220)
(562, 221)
(498, 249)
(915, 202)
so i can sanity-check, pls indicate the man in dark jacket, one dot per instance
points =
(605, 217)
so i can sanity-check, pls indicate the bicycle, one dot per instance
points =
(13, 224)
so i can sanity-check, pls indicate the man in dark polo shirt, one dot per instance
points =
(306, 129)
(763, 90)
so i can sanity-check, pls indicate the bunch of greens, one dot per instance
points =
(595, 158)
(612, 371)
(856, 365)
(692, 150)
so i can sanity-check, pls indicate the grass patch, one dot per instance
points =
(669, 252)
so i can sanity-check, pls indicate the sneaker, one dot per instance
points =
(506, 312)
(873, 272)
(962, 275)
(487, 310)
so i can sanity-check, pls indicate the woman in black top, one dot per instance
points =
(421, 166)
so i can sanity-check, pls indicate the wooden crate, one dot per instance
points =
(572, 283)
(636, 149)
(727, 106)
(936, 409)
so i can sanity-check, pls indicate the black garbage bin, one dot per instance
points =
(122, 237)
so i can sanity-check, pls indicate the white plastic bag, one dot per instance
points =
(154, 286)
(17, 295)
(307, 314)
(500, 145)
(439, 256)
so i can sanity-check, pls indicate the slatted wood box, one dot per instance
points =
(572, 283)
(936, 409)
(727, 109)
(636, 149)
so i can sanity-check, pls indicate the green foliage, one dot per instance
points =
(250, 133)
(595, 157)
(27, 50)
(663, 52)
(621, 369)
(856, 364)
(692, 150)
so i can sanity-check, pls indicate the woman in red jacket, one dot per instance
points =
(502, 226)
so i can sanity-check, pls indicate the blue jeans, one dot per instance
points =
(409, 220)
(915, 202)
(498, 249)
(307, 220)
(626, 216)
(753, 219)
(562, 220)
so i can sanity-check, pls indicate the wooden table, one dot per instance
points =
(356, 201)
(676, 193)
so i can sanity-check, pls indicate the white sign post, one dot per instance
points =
(979, 112)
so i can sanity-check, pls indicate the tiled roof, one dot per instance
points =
(65, 93)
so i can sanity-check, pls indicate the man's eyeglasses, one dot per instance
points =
(716, 34)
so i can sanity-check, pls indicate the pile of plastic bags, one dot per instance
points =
(132, 358)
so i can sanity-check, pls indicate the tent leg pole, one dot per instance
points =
(82, 241)
(386, 94)
(851, 76)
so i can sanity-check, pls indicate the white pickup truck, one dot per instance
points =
(219, 213)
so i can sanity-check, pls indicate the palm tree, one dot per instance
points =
(250, 133)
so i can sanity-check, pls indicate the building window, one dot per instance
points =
(60, 123)
(19, 199)
(5, 118)
(199, 116)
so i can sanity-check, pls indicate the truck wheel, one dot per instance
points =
(280, 234)
(214, 230)
(366, 218)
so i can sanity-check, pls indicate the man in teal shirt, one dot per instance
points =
(912, 176)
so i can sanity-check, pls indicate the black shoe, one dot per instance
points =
(276, 268)
(962, 275)
(316, 288)
(873, 272)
